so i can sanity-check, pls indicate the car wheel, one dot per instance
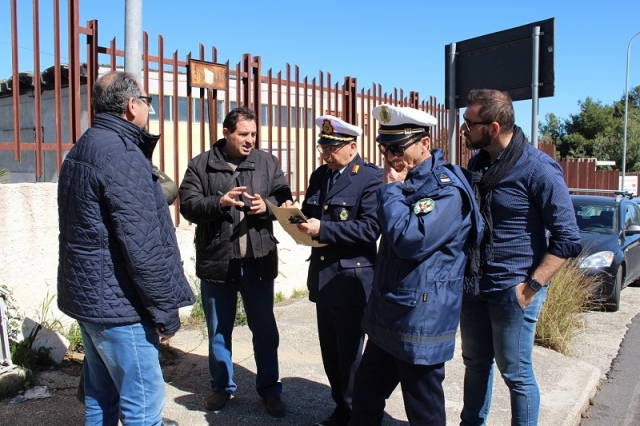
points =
(613, 304)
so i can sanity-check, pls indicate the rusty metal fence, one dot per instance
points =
(286, 105)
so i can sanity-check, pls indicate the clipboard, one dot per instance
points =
(289, 217)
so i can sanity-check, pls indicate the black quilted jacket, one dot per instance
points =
(119, 259)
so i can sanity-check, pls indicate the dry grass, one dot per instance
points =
(568, 297)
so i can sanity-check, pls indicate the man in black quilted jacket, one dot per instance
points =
(120, 273)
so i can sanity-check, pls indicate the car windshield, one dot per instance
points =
(596, 218)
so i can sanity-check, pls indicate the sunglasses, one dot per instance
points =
(397, 149)
(146, 99)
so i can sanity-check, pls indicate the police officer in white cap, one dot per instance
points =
(340, 204)
(426, 212)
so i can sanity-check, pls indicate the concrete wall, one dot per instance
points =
(29, 249)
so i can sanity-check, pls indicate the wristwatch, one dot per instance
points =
(535, 285)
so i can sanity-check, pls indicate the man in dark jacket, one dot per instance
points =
(120, 273)
(340, 205)
(530, 231)
(224, 192)
(426, 213)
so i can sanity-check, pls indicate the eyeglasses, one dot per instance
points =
(146, 99)
(470, 123)
(396, 149)
(330, 149)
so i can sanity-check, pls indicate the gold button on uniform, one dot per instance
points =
(326, 207)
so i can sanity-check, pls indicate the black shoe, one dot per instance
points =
(167, 422)
(216, 400)
(275, 406)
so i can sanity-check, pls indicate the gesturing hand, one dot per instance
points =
(258, 206)
(228, 199)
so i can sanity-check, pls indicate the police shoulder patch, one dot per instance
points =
(424, 206)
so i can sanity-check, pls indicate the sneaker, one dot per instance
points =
(275, 406)
(216, 400)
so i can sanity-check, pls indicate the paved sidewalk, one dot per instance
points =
(566, 383)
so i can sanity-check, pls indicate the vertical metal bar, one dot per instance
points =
(145, 61)
(189, 119)
(15, 81)
(256, 70)
(161, 98)
(37, 92)
(239, 83)
(305, 142)
(453, 130)
(176, 119)
(279, 97)
(57, 85)
(74, 71)
(314, 114)
(297, 132)
(534, 86)
(92, 65)
(201, 100)
(214, 58)
(288, 115)
(112, 56)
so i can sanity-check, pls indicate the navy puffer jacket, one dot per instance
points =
(119, 259)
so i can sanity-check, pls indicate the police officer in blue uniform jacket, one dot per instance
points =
(428, 218)
(340, 205)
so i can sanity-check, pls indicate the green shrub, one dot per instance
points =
(568, 297)
(74, 335)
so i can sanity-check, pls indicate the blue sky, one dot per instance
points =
(398, 44)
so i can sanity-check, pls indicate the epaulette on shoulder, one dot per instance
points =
(372, 165)
(445, 176)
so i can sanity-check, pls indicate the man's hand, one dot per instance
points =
(394, 174)
(312, 227)
(287, 204)
(258, 206)
(228, 199)
(164, 337)
(524, 294)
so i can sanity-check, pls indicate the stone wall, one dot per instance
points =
(29, 249)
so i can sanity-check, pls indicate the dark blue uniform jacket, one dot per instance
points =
(414, 308)
(340, 273)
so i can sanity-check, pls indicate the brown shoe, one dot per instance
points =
(275, 406)
(216, 400)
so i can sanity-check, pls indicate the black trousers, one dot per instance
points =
(341, 341)
(378, 376)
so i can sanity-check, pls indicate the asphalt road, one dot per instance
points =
(618, 401)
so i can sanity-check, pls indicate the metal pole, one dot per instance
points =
(452, 104)
(133, 38)
(626, 108)
(534, 87)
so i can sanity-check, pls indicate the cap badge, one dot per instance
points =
(424, 206)
(327, 128)
(344, 214)
(385, 115)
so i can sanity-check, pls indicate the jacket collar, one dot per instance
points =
(128, 131)
(421, 173)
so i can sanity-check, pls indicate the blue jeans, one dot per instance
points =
(494, 325)
(219, 302)
(122, 374)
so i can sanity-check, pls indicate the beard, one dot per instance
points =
(483, 142)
